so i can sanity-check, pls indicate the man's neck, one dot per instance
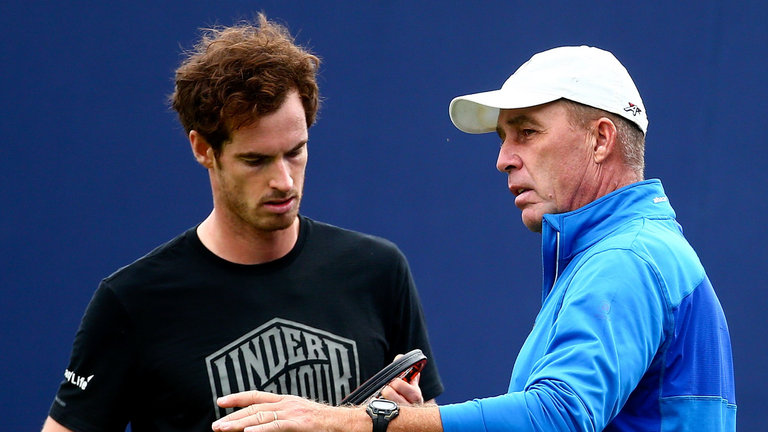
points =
(246, 245)
(606, 178)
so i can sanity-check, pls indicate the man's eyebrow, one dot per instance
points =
(299, 145)
(520, 119)
(515, 121)
(254, 155)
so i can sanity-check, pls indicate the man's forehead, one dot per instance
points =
(535, 114)
(514, 117)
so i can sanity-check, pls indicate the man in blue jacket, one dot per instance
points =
(630, 335)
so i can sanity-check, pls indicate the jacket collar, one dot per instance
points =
(565, 235)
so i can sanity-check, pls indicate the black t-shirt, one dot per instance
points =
(165, 336)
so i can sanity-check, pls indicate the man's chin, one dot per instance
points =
(277, 222)
(532, 222)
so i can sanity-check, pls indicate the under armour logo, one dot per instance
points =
(634, 109)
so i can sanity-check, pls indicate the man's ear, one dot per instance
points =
(201, 149)
(605, 139)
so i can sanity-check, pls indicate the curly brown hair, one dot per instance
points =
(237, 74)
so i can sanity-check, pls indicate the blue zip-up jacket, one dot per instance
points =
(630, 335)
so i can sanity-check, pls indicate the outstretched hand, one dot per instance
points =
(262, 411)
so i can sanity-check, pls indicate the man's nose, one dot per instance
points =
(281, 176)
(508, 160)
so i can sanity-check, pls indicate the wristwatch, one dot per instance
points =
(382, 411)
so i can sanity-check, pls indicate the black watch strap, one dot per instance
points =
(382, 411)
(380, 423)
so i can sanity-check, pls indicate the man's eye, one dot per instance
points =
(528, 132)
(295, 152)
(254, 162)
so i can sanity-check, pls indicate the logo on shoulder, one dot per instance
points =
(77, 380)
(634, 109)
(659, 199)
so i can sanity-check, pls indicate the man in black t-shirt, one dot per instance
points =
(255, 297)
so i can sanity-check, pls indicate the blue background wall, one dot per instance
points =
(96, 171)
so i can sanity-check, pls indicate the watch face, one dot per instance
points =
(383, 404)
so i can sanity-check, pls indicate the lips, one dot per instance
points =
(517, 189)
(522, 194)
(280, 205)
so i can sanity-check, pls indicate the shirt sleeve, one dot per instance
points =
(411, 329)
(605, 335)
(96, 388)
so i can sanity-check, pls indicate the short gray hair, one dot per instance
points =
(631, 139)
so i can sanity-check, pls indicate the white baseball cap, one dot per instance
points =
(583, 74)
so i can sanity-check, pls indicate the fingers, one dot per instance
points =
(288, 413)
(251, 418)
(260, 408)
(389, 393)
(403, 392)
(249, 411)
(247, 398)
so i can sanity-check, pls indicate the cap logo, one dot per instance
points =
(634, 109)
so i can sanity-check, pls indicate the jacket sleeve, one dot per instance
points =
(607, 330)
